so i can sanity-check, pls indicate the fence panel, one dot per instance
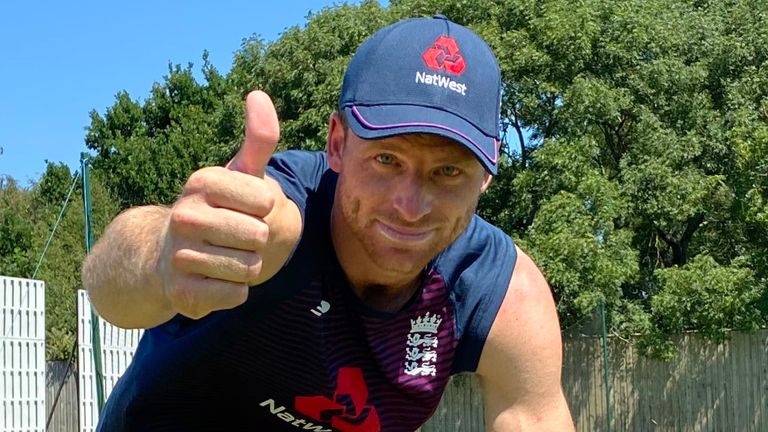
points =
(461, 408)
(583, 383)
(22, 355)
(117, 347)
(61, 383)
(707, 387)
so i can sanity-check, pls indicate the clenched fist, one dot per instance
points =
(217, 232)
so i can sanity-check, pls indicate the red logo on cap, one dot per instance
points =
(445, 55)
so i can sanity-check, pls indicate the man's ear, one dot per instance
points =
(486, 182)
(334, 143)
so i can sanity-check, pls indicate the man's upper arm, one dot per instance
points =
(520, 367)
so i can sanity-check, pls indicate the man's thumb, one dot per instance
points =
(262, 132)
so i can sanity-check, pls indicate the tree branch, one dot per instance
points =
(692, 224)
(680, 248)
(675, 246)
(664, 237)
(520, 137)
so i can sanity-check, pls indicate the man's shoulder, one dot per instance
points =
(302, 176)
(299, 162)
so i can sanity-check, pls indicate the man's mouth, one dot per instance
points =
(400, 234)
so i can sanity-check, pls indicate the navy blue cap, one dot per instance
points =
(426, 75)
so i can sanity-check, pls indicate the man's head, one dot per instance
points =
(426, 75)
(414, 143)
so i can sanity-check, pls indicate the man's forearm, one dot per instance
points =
(121, 274)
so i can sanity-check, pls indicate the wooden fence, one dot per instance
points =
(62, 412)
(706, 388)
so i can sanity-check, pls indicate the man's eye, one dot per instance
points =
(385, 159)
(449, 171)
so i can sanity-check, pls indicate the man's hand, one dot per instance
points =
(232, 228)
(217, 232)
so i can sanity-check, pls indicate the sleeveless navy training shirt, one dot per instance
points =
(304, 353)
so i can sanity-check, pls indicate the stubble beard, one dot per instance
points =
(390, 259)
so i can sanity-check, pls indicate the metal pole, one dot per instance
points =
(95, 332)
(605, 365)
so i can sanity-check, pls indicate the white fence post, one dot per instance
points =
(22, 355)
(117, 348)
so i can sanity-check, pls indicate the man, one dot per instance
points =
(371, 279)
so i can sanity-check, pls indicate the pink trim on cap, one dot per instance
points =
(368, 125)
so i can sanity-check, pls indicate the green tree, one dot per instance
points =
(303, 69)
(704, 296)
(150, 149)
(634, 153)
(16, 229)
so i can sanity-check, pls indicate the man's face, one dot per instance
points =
(403, 199)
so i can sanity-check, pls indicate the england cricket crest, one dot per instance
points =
(421, 346)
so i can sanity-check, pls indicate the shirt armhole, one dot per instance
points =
(477, 267)
(299, 174)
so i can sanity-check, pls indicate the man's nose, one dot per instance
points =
(412, 198)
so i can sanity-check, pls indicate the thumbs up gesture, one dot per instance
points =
(232, 227)
(261, 134)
